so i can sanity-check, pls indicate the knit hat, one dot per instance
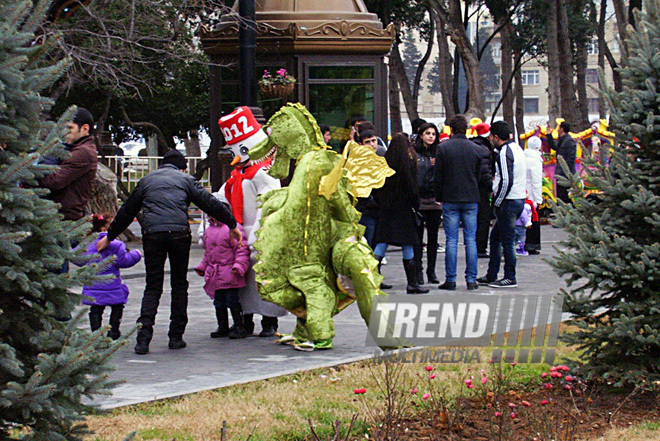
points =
(175, 158)
(443, 137)
(481, 129)
(534, 143)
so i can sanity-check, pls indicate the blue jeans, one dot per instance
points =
(455, 214)
(369, 224)
(502, 239)
(407, 251)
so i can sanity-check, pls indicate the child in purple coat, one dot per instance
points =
(223, 268)
(113, 292)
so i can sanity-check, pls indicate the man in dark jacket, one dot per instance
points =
(71, 184)
(164, 196)
(457, 175)
(566, 148)
(485, 186)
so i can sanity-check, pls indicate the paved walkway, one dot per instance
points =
(212, 363)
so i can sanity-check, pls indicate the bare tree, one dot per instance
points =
(451, 14)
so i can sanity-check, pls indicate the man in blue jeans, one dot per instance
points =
(457, 174)
(508, 198)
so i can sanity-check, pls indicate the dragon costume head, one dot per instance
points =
(292, 132)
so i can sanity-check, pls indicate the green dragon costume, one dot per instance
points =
(311, 258)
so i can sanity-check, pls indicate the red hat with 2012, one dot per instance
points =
(238, 125)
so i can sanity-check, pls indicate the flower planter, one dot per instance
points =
(277, 90)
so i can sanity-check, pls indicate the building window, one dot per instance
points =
(530, 77)
(592, 76)
(531, 105)
(592, 48)
(496, 49)
(593, 105)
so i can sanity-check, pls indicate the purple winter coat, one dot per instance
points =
(110, 292)
(220, 257)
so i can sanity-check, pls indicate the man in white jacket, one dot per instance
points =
(509, 195)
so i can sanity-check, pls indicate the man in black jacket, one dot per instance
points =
(457, 175)
(485, 186)
(566, 148)
(164, 196)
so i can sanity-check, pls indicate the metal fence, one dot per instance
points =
(130, 169)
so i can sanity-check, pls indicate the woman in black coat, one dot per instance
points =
(398, 200)
(426, 145)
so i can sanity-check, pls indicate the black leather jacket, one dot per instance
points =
(425, 171)
(164, 196)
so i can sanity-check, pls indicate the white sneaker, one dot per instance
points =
(384, 261)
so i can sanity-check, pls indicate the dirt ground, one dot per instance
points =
(562, 418)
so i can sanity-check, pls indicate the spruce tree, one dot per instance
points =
(612, 255)
(46, 366)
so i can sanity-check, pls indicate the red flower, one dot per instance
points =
(514, 415)
(547, 386)
(544, 374)
(360, 391)
(484, 380)
(512, 405)
(432, 377)
(565, 368)
(468, 382)
(553, 369)
(568, 387)
(498, 414)
(568, 378)
(526, 403)
(545, 402)
(414, 390)
(426, 396)
(429, 368)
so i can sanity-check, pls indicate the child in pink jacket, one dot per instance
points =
(223, 268)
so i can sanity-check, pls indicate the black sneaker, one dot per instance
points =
(503, 283)
(219, 333)
(472, 286)
(141, 348)
(176, 344)
(448, 286)
(484, 280)
(268, 332)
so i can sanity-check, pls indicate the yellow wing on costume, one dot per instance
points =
(365, 171)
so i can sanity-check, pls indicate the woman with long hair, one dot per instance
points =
(398, 200)
(426, 145)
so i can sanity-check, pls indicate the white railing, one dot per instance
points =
(130, 169)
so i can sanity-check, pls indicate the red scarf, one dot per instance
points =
(535, 214)
(234, 186)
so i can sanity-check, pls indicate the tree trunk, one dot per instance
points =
(456, 29)
(621, 23)
(583, 99)
(554, 102)
(192, 144)
(395, 106)
(519, 95)
(507, 72)
(445, 65)
(398, 73)
(104, 196)
(569, 107)
(602, 106)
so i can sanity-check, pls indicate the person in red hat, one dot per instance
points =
(248, 181)
(482, 132)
